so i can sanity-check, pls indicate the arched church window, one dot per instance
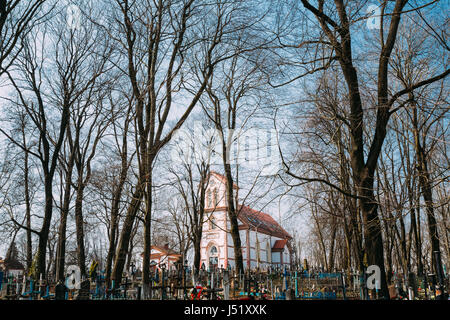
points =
(216, 197)
(208, 200)
(212, 223)
(213, 257)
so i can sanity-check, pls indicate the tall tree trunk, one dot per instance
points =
(114, 225)
(232, 215)
(331, 255)
(415, 233)
(79, 222)
(197, 254)
(198, 214)
(115, 208)
(61, 246)
(426, 187)
(44, 233)
(125, 235)
(29, 248)
(322, 245)
(147, 234)
(372, 232)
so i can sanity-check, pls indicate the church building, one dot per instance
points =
(264, 242)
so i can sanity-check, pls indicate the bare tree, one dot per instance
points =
(158, 47)
(335, 38)
(43, 99)
(17, 18)
(191, 183)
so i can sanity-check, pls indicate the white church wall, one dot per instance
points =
(252, 254)
(272, 241)
(286, 259)
(230, 252)
(276, 258)
(263, 255)
(243, 236)
(230, 239)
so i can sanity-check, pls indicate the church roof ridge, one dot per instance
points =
(262, 221)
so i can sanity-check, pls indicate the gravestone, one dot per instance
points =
(290, 294)
(84, 291)
(60, 291)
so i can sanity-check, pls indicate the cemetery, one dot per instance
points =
(250, 150)
(224, 284)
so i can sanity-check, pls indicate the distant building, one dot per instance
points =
(163, 256)
(11, 265)
(264, 242)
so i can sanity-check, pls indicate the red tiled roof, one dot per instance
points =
(262, 222)
(279, 245)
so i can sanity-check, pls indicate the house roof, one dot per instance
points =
(261, 221)
(171, 257)
(13, 264)
(165, 251)
(222, 178)
(279, 245)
